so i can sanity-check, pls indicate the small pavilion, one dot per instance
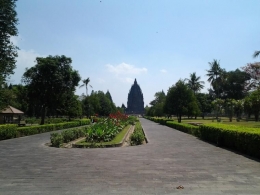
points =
(10, 115)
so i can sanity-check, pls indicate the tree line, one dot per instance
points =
(232, 93)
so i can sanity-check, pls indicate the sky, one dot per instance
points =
(157, 42)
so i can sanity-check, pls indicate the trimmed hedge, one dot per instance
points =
(186, 128)
(57, 139)
(242, 139)
(8, 131)
(12, 131)
(162, 121)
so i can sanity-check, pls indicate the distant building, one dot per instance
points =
(135, 101)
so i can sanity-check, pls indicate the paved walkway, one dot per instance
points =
(171, 158)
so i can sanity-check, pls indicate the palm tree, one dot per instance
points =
(214, 73)
(194, 83)
(256, 54)
(86, 83)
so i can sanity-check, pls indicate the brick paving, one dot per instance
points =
(171, 158)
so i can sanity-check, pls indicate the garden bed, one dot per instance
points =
(118, 141)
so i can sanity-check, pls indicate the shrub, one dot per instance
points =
(242, 139)
(12, 131)
(8, 131)
(137, 138)
(56, 139)
(186, 128)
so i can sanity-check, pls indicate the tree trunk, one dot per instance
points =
(43, 112)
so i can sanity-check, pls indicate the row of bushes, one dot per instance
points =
(137, 138)
(48, 120)
(57, 139)
(12, 131)
(162, 121)
(242, 139)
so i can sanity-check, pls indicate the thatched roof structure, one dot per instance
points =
(11, 110)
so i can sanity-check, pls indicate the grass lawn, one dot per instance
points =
(224, 120)
(119, 137)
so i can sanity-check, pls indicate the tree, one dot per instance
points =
(49, 82)
(179, 100)
(234, 85)
(254, 102)
(86, 83)
(204, 102)
(108, 95)
(253, 69)
(157, 104)
(194, 83)
(256, 54)
(218, 105)
(8, 51)
(214, 73)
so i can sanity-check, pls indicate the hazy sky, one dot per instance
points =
(155, 41)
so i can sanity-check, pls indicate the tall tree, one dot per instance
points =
(109, 96)
(157, 104)
(214, 73)
(194, 83)
(235, 85)
(86, 84)
(8, 51)
(180, 100)
(49, 81)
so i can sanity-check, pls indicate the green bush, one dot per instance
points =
(186, 128)
(8, 131)
(137, 138)
(12, 131)
(56, 139)
(242, 139)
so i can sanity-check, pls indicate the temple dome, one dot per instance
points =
(135, 102)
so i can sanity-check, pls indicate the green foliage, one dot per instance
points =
(8, 131)
(186, 128)
(239, 138)
(50, 83)
(180, 100)
(137, 138)
(8, 51)
(242, 139)
(12, 131)
(131, 120)
(104, 131)
(157, 105)
(56, 139)
(194, 83)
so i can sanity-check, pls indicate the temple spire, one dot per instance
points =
(135, 102)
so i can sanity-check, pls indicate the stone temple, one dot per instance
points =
(135, 101)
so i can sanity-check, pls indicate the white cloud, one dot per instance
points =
(129, 80)
(100, 80)
(163, 71)
(125, 69)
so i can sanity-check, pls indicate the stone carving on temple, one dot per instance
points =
(135, 101)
